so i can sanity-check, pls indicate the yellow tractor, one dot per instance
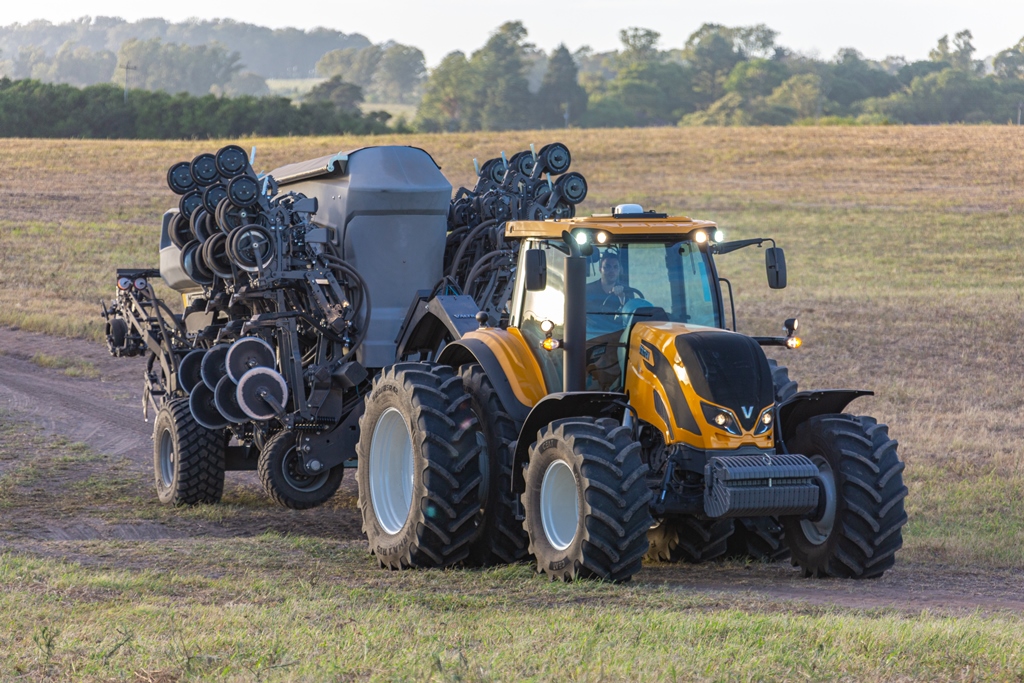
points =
(612, 415)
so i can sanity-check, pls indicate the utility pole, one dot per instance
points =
(1020, 107)
(566, 115)
(127, 67)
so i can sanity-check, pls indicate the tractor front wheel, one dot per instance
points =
(586, 500)
(419, 467)
(857, 528)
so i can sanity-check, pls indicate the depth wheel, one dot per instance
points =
(502, 538)
(188, 459)
(860, 522)
(285, 479)
(586, 500)
(688, 539)
(419, 467)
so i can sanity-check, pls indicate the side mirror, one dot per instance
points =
(775, 264)
(536, 267)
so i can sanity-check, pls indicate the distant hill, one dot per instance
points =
(272, 53)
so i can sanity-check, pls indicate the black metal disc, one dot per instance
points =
(204, 408)
(187, 259)
(204, 170)
(190, 370)
(189, 202)
(212, 196)
(556, 158)
(252, 246)
(231, 161)
(573, 187)
(179, 231)
(255, 385)
(214, 365)
(248, 353)
(226, 399)
(243, 190)
(179, 178)
(215, 255)
(199, 224)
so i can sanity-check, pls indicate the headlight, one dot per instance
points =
(721, 418)
(764, 422)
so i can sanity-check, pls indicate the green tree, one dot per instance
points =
(756, 77)
(801, 93)
(345, 97)
(1009, 63)
(355, 65)
(502, 100)
(561, 99)
(712, 52)
(448, 96)
(174, 68)
(640, 46)
(399, 74)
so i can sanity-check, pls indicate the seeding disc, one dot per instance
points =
(204, 408)
(231, 161)
(189, 263)
(556, 158)
(190, 370)
(179, 178)
(189, 202)
(243, 190)
(215, 255)
(179, 231)
(212, 196)
(257, 384)
(248, 353)
(204, 170)
(224, 396)
(213, 365)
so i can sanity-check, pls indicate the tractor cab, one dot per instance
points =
(640, 267)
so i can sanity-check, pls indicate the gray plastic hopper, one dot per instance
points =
(389, 207)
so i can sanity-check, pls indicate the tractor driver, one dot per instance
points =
(608, 295)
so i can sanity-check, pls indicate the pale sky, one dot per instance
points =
(877, 28)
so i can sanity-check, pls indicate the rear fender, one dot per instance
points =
(804, 405)
(556, 406)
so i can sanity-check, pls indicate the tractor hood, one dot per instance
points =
(687, 379)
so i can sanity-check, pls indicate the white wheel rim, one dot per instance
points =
(818, 532)
(559, 505)
(166, 459)
(391, 471)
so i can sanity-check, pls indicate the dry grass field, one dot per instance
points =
(907, 273)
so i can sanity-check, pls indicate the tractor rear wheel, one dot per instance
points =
(502, 538)
(419, 467)
(188, 459)
(859, 524)
(285, 479)
(586, 500)
(688, 539)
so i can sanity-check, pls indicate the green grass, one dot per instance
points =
(72, 367)
(305, 622)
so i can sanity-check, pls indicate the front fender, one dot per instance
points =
(804, 405)
(555, 406)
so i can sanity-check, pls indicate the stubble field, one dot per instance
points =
(906, 271)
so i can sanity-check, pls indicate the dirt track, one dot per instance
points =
(105, 414)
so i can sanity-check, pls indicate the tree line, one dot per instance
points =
(29, 108)
(721, 76)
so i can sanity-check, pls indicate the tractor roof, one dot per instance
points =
(620, 226)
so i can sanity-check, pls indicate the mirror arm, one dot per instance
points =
(729, 247)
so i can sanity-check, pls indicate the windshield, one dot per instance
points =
(626, 282)
(626, 277)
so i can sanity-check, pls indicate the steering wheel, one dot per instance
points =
(612, 302)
